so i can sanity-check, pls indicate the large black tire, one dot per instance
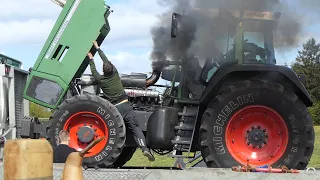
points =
(301, 136)
(101, 108)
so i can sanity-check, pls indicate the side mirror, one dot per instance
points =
(174, 24)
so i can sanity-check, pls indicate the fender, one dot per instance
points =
(230, 73)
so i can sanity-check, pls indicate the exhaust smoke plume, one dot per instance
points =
(204, 35)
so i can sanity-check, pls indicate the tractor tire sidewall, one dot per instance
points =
(248, 93)
(103, 109)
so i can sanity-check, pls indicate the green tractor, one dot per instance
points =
(239, 108)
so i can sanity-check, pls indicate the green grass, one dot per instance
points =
(163, 161)
(315, 159)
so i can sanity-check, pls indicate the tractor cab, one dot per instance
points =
(247, 39)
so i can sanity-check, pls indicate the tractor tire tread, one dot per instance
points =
(119, 123)
(265, 85)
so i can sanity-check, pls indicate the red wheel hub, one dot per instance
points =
(256, 135)
(83, 128)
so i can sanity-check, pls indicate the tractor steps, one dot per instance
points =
(183, 132)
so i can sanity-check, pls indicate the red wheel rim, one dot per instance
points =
(92, 120)
(256, 135)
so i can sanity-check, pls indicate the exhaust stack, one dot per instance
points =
(60, 3)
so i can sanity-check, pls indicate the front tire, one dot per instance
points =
(87, 117)
(256, 123)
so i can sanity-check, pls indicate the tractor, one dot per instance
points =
(238, 108)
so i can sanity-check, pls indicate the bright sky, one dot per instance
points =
(26, 24)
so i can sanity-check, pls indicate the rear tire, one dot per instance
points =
(95, 115)
(279, 117)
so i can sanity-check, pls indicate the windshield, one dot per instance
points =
(257, 48)
(254, 50)
(222, 52)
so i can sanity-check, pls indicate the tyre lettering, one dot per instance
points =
(104, 153)
(223, 117)
(226, 110)
(56, 132)
(294, 149)
(292, 119)
(101, 111)
(98, 157)
(58, 124)
(108, 148)
(113, 132)
(239, 100)
(296, 137)
(217, 139)
(110, 123)
(63, 116)
(220, 120)
(296, 140)
(56, 135)
(57, 139)
(289, 159)
(107, 116)
(219, 148)
(217, 130)
(248, 98)
(111, 141)
(233, 105)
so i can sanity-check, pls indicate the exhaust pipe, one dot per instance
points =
(140, 81)
(60, 3)
(153, 78)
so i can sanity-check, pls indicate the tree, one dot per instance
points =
(308, 64)
(39, 111)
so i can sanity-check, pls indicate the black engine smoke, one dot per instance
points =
(201, 30)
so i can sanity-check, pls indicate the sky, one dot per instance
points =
(26, 24)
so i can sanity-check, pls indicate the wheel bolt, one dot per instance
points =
(258, 127)
(232, 140)
(248, 143)
(90, 125)
(260, 146)
(264, 130)
(265, 142)
(95, 129)
(266, 136)
(248, 131)
(252, 127)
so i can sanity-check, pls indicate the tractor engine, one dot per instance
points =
(143, 96)
(139, 95)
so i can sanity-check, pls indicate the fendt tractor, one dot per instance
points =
(247, 110)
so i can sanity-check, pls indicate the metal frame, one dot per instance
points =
(8, 98)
